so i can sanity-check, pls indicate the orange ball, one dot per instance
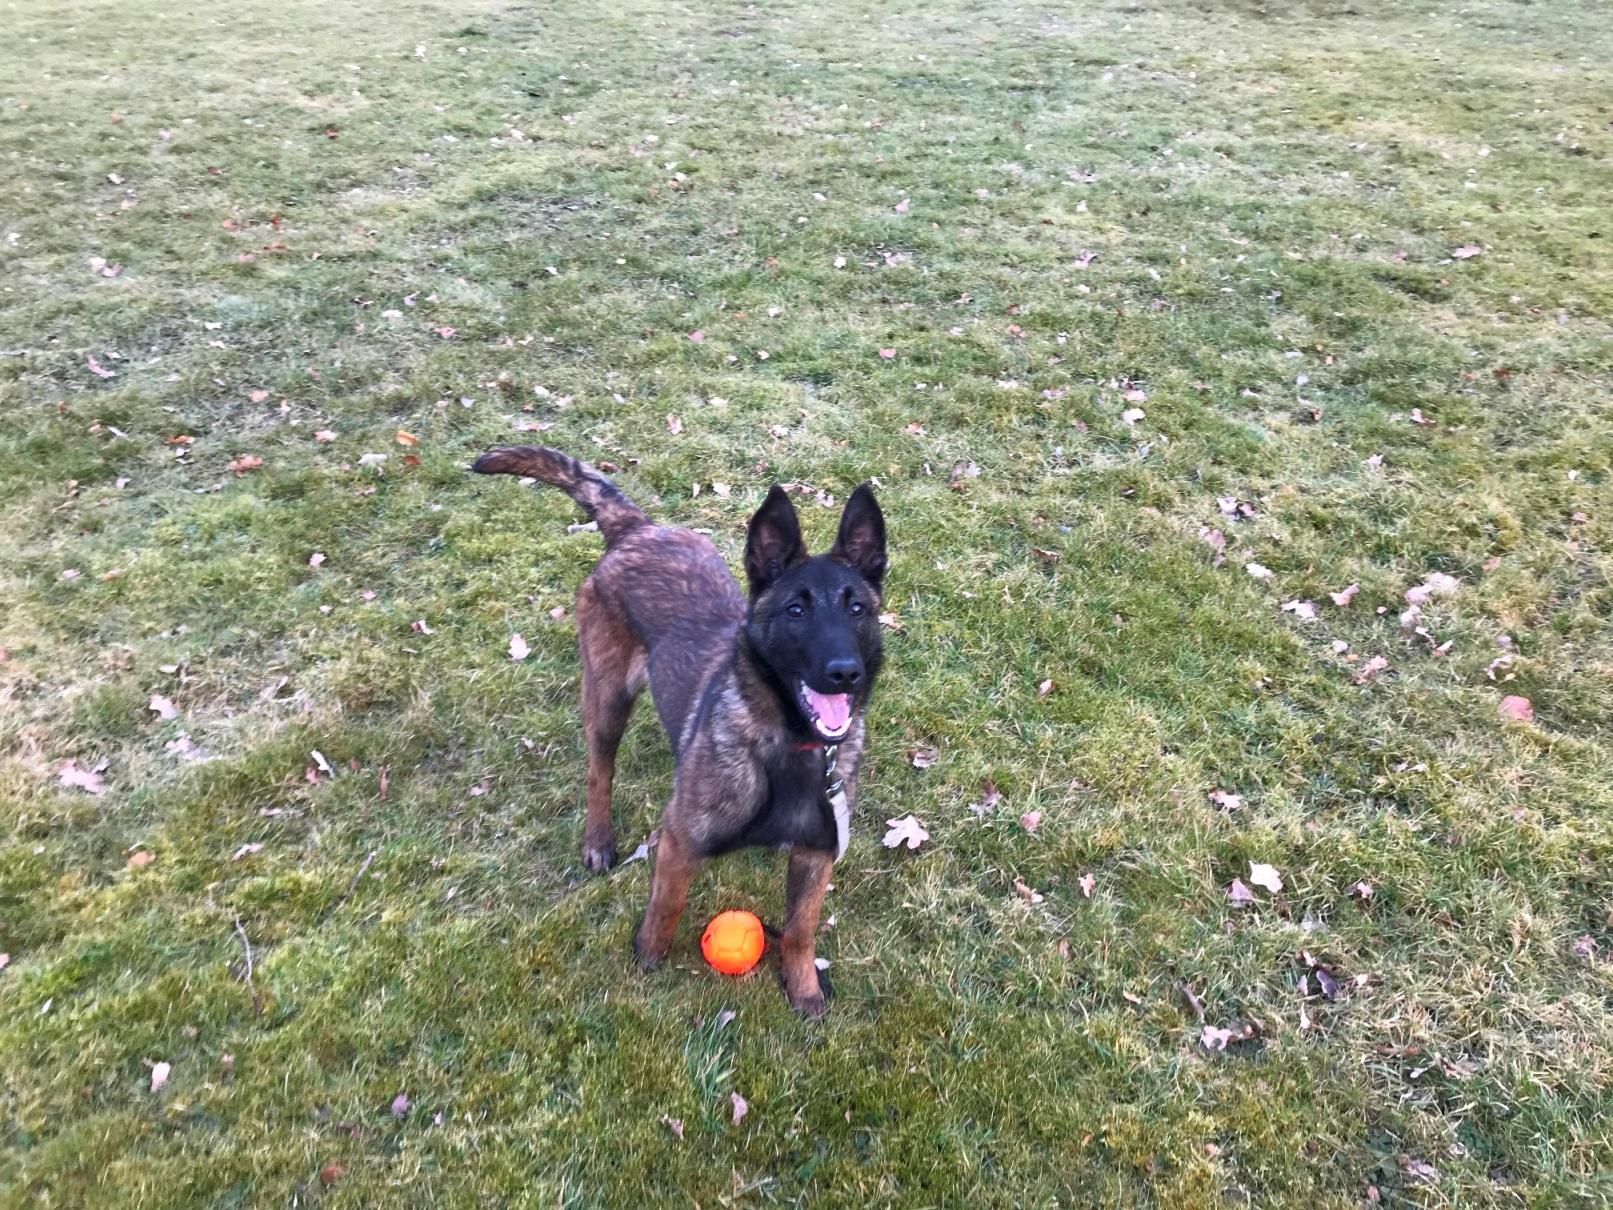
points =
(733, 942)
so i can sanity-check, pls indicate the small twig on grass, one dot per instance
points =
(246, 977)
(1193, 1001)
(352, 886)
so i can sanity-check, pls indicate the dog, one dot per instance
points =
(762, 695)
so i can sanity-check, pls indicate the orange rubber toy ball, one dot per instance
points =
(733, 942)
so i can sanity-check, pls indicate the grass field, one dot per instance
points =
(1156, 323)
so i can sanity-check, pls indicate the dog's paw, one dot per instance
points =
(649, 956)
(812, 1007)
(811, 1001)
(599, 857)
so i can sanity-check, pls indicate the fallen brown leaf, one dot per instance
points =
(962, 472)
(1026, 892)
(1370, 670)
(88, 780)
(1518, 709)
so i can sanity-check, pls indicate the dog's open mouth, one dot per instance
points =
(829, 713)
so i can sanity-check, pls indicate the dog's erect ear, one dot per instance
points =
(774, 544)
(861, 542)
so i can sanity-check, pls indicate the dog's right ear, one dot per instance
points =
(773, 544)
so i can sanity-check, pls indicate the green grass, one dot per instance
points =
(1270, 194)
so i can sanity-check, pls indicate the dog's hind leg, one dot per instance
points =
(612, 677)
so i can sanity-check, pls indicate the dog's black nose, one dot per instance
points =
(844, 675)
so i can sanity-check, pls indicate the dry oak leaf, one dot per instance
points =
(1263, 875)
(1031, 820)
(1239, 893)
(906, 830)
(159, 1075)
(162, 707)
(245, 463)
(1087, 883)
(140, 860)
(923, 758)
(741, 1107)
(88, 780)
(518, 648)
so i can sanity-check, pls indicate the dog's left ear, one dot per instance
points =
(861, 542)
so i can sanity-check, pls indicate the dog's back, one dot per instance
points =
(683, 606)
(679, 602)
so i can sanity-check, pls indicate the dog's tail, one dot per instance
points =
(601, 499)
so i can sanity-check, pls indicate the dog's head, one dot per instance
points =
(814, 620)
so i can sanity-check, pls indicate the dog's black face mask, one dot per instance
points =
(814, 621)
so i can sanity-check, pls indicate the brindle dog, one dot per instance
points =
(763, 699)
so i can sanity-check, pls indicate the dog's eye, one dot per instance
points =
(795, 610)
(856, 607)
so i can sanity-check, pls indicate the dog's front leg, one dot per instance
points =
(676, 865)
(805, 886)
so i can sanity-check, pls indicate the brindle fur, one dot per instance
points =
(662, 609)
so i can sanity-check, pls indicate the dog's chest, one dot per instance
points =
(800, 808)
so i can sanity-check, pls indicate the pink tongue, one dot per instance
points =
(832, 709)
